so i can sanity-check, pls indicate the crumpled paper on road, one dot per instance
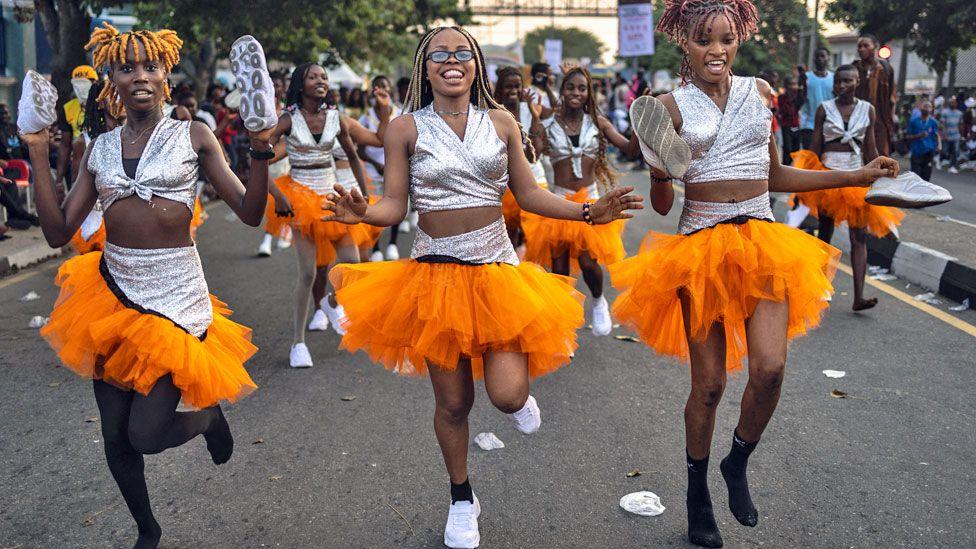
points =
(646, 504)
(488, 441)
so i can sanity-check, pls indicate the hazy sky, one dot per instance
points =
(505, 30)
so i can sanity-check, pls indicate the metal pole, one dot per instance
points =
(814, 31)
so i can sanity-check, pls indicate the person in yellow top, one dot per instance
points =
(82, 78)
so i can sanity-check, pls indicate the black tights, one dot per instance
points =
(133, 425)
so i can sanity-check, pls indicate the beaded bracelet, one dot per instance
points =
(586, 213)
(656, 179)
(261, 155)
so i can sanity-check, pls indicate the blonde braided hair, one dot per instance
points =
(109, 48)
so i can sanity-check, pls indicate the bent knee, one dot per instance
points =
(509, 402)
(767, 374)
(708, 392)
(144, 442)
(455, 410)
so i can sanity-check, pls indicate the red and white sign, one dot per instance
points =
(636, 23)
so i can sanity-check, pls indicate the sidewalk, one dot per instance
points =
(24, 248)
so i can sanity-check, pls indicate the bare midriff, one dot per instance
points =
(132, 222)
(454, 222)
(735, 190)
(837, 146)
(564, 177)
(342, 164)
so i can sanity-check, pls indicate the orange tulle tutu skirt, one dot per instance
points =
(511, 211)
(199, 216)
(546, 238)
(845, 203)
(725, 271)
(307, 205)
(405, 314)
(94, 244)
(98, 337)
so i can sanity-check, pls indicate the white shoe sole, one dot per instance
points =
(37, 105)
(257, 91)
(652, 124)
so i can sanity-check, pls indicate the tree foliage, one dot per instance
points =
(577, 43)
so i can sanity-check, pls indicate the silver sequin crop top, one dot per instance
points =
(561, 148)
(167, 169)
(303, 149)
(725, 146)
(853, 131)
(447, 173)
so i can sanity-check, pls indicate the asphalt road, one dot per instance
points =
(891, 465)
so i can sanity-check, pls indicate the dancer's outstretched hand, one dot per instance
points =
(881, 166)
(346, 207)
(614, 205)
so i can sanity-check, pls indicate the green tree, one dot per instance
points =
(577, 43)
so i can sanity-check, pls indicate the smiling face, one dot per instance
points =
(140, 84)
(510, 87)
(316, 83)
(451, 78)
(574, 91)
(712, 52)
(845, 82)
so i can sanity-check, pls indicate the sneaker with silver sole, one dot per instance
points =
(653, 126)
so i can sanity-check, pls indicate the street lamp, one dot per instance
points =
(884, 52)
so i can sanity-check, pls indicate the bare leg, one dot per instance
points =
(766, 337)
(592, 275)
(453, 396)
(560, 264)
(707, 385)
(318, 287)
(507, 380)
(825, 228)
(125, 463)
(346, 252)
(859, 264)
(305, 252)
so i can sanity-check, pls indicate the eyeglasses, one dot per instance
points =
(463, 56)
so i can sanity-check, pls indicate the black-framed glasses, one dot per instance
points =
(463, 56)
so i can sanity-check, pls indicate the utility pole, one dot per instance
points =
(814, 31)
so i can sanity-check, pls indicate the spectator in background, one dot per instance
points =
(819, 86)
(542, 86)
(619, 113)
(356, 105)
(188, 100)
(876, 85)
(772, 78)
(402, 85)
(10, 146)
(923, 133)
(638, 87)
(950, 121)
(789, 118)
(214, 99)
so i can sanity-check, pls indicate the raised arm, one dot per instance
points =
(346, 141)
(59, 222)
(789, 179)
(247, 202)
(535, 199)
(630, 147)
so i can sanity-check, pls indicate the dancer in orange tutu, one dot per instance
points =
(577, 139)
(511, 93)
(138, 317)
(463, 307)
(90, 237)
(310, 130)
(844, 139)
(733, 283)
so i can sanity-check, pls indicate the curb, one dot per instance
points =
(30, 255)
(922, 266)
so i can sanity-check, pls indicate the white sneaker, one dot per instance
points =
(284, 243)
(602, 325)
(392, 253)
(320, 322)
(336, 315)
(250, 69)
(404, 226)
(529, 418)
(36, 109)
(376, 256)
(264, 250)
(953, 169)
(462, 525)
(299, 356)
(908, 190)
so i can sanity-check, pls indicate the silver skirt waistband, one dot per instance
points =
(489, 244)
(165, 281)
(841, 160)
(320, 180)
(696, 215)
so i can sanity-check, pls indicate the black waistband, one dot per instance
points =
(128, 303)
(435, 258)
(838, 140)
(737, 220)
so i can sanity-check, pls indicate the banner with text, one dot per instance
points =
(636, 23)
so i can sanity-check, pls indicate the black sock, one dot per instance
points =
(734, 471)
(702, 529)
(461, 492)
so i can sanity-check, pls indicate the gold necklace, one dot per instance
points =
(142, 133)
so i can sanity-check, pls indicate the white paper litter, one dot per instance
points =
(646, 504)
(230, 217)
(883, 277)
(31, 296)
(37, 322)
(928, 297)
(962, 306)
(488, 441)
(876, 269)
(836, 374)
